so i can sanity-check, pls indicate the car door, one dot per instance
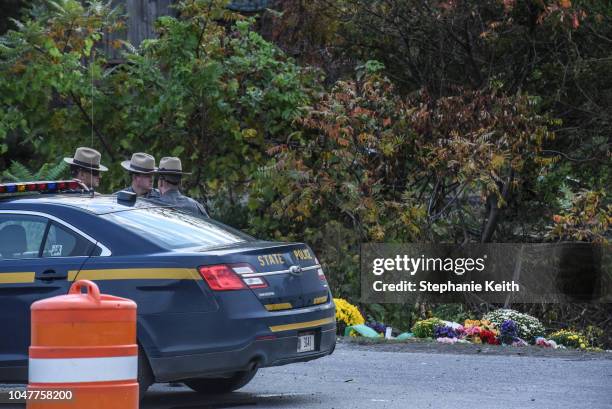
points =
(39, 254)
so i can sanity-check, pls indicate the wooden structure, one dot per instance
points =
(142, 14)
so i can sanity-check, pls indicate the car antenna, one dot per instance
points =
(91, 67)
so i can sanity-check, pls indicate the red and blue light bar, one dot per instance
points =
(56, 186)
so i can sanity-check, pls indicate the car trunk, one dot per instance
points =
(291, 271)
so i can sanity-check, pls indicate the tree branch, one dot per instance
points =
(566, 156)
(494, 211)
(96, 131)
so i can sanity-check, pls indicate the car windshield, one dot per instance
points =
(173, 229)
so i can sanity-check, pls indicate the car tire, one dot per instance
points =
(210, 386)
(145, 374)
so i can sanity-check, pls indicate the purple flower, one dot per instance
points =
(519, 343)
(442, 331)
(377, 326)
(508, 332)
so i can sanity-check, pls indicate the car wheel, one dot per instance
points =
(211, 386)
(145, 374)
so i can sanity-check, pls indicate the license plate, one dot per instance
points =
(306, 343)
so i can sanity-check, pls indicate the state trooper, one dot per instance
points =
(141, 168)
(85, 166)
(170, 174)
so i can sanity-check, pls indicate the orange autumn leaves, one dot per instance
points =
(588, 219)
(370, 157)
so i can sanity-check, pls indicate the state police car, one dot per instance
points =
(214, 304)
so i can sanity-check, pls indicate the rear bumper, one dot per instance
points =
(269, 352)
(14, 374)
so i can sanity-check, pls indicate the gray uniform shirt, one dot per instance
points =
(182, 202)
(153, 193)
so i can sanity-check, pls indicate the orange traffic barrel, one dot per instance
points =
(83, 351)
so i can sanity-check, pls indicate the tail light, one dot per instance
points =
(251, 279)
(221, 278)
(255, 282)
(229, 277)
(321, 275)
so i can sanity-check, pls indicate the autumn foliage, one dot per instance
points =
(336, 122)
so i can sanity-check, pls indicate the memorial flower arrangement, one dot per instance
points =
(546, 343)
(447, 340)
(528, 327)
(480, 331)
(377, 326)
(471, 323)
(473, 334)
(503, 326)
(347, 314)
(425, 328)
(570, 338)
(443, 331)
(481, 324)
(508, 332)
(519, 343)
(460, 331)
(488, 337)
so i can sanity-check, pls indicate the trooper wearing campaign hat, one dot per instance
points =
(142, 169)
(170, 174)
(85, 166)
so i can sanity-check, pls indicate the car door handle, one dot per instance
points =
(51, 274)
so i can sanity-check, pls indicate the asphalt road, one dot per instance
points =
(358, 377)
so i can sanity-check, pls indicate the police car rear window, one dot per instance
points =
(175, 230)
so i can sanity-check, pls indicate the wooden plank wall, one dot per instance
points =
(141, 16)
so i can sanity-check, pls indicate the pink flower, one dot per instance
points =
(446, 340)
(543, 342)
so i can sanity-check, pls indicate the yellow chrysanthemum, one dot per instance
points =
(347, 313)
(471, 323)
(570, 338)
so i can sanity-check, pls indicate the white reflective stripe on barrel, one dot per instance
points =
(59, 370)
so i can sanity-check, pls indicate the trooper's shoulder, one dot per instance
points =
(153, 194)
(187, 199)
(197, 206)
(185, 202)
(127, 189)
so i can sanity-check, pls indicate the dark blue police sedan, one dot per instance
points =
(214, 304)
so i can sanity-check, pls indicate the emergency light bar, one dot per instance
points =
(56, 186)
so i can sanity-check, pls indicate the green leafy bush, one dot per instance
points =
(451, 312)
(20, 173)
(213, 93)
(425, 328)
(528, 327)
